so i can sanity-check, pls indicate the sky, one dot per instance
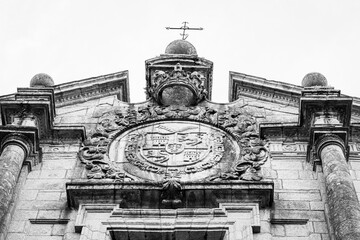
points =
(280, 40)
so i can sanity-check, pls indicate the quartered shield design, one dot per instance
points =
(181, 148)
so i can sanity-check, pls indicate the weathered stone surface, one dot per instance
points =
(295, 205)
(320, 227)
(242, 175)
(11, 160)
(300, 195)
(344, 208)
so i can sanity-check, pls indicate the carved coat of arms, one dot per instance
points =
(224, 146)
(176, 148)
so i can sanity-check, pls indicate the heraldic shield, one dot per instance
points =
(178, 148)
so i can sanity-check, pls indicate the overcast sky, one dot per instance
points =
(275, 39)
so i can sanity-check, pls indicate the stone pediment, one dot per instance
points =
(246, 86)
(243, 85)
(80, 91)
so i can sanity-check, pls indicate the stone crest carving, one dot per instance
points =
(175, 148)
(199, 141)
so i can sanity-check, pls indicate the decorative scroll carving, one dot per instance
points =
(92, 154)
(237, 122)
(289, 147)
(191, 86)
(254, 155)
(113, 122)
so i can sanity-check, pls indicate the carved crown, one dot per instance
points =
(178, 87)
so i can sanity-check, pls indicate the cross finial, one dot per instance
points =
(184, 27)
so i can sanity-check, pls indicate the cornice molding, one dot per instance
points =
(260, 88)
(33, 109)
(93, 88)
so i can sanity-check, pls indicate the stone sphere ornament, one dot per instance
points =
(314, 79)
(41, 80)
(180, 47)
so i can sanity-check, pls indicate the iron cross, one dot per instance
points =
(184, 27)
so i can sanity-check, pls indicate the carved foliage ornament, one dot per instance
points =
(93, 154)
(175, 152)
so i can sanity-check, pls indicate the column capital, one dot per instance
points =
(320, 138)
(18, 139)
(329, 139)
(25, 137)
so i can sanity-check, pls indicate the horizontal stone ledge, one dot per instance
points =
(150, 195)
(49, 220)
(297, 221)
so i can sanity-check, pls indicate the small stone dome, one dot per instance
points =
(180, 47)
(41, 80)
(314, 79)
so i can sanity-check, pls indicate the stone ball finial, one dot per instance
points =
(41, 80)
(314, 79)
(180, 47)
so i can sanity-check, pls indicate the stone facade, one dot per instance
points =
(80, 162)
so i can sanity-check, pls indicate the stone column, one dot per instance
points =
(14, 151)
(344, 208)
